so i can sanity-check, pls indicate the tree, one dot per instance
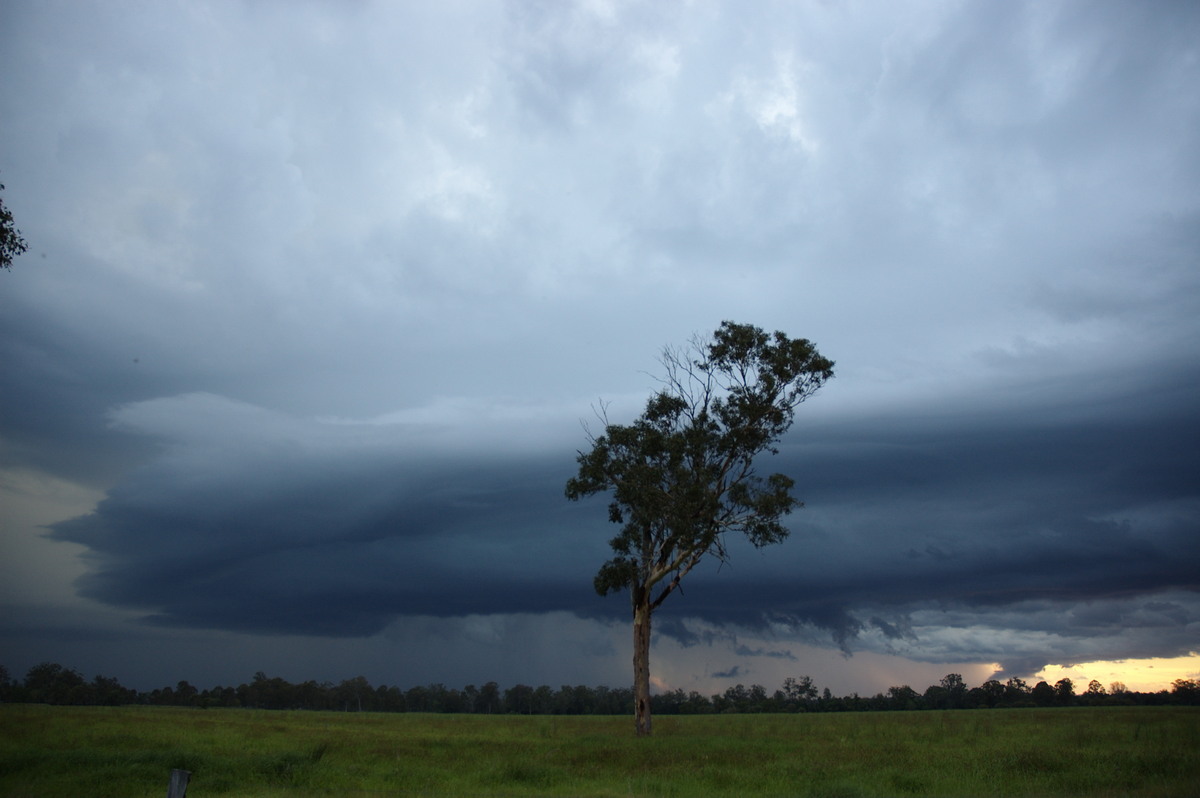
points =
(993, 692)
(1186, 691)
(935, 697)
(1064, 691)
(798, 693)
(107, 691)
(186, 694)
(11, 242)
(518, 699)
(51, 683)
(1043, 694)
(903, 697)
(1016, 692)
(956, 690)
(682, 475)
(8, 686)
(489, 698)
(1095, 693)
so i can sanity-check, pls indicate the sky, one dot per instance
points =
(320, 297)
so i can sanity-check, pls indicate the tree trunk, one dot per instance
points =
(641, 666)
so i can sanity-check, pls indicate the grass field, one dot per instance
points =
(130, 751)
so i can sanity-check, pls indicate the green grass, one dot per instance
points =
(129, 751)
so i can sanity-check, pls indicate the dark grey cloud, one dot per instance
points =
(277, 526)
(912, 519)
(289, 527)
(747, 651)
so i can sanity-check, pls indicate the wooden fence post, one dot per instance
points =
(178, 786)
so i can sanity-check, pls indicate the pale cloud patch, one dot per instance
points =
(456, 191)
(209, 423)
(658, 66)
(34, 569)
(776, 102)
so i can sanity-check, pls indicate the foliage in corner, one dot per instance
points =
(11, 242)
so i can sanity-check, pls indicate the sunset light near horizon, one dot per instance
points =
(1137, 675)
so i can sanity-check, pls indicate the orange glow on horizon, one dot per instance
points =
(1138, 675)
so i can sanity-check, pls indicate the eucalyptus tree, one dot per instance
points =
(11, 242)
(683, 475)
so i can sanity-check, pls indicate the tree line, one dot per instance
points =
(51, 683)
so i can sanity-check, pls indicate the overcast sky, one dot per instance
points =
(318, 294)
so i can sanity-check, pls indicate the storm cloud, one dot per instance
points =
(318, 297)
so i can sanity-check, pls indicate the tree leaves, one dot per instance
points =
(11, 242)
(682, 474)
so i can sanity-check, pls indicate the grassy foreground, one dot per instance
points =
(130, 751)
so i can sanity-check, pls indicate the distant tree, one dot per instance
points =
(389, 698)
(51, 683)
(312, 695)
(437, 697)
(580, 699)
(11, 242)
(470, 698)
(757, 700)
(223, 697)
(10, 688)
(1185, 691)
(956, 690)
(162, 696)
(186, 694)
(1016, 693)
(276, 692)
(543, 700)
(696, 704)
(1119, 694)
(1064, 691)
(107, 691)
(1043, 694)
(737, 699)
(683, 474)
(935, 697)
(489, 699)
(1095, 694)
(416, 699)
(668, 703)
(903, 697)
(453, 700)
(519, 699)
(798, 693)
(993, 692)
